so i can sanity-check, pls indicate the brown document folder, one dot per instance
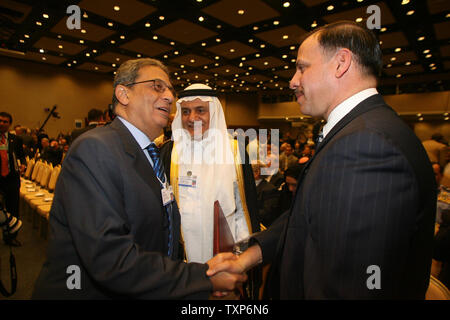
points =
(223, 238)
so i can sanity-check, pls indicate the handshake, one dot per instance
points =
(227, 270)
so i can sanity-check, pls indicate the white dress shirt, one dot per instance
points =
(345, 107)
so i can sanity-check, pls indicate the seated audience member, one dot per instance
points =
(95, 119)
(266, 194)
(52, 153)
(288, 187)
(287, 158)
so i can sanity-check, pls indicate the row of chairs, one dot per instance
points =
(36, 193)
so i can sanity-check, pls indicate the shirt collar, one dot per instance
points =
(140, 137)
(345, 107)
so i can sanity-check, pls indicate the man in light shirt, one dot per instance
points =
(114, 225)
(362, 221)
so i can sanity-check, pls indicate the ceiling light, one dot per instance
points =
(27, 36)
(192, 61)
(122, 37)
(383, 29)
(94, 51)
(161, 18)
(285, 36)
(217, 57)
(241, 12)
(266, 63)
(447, 15)
(218, 26)
(432, 65)
(255, 28)
(421, 38)
(182, 66)
(286, 67)
(74, 61)
(314, 24)
(95, 68)
(243, 58)
(176, 52)
(172, 43)
(113, 42)
(83, 31)
(69, 65)
(201, 19)
(22, 41)
(85, 15)
(203, 44)
(39, 23)
(434, 68)
(359, 19)
(292, 47)
(41, 50)
(250, 40)
(329, 8)
(232, 50)
(276, 22)
(428, 56)
(155, 37)
(218, 40)
(60, 46)
(393, 58)
(408, 63)
(286, 4)
(257, 55)
(262, 46)
(399, 75)
(410, 12)
(389, 65)
(398, 49)
(405, 2)
(116, 8)
(420, 119)
(45, 16)
(113, 65)
(88, 54)
(426, 51)
(205, 67)
(147, 25)
(284, 56)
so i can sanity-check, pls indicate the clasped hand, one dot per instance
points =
(226, 273)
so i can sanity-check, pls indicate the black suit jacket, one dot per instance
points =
(267, 197)
(107, 218)
(367, 198)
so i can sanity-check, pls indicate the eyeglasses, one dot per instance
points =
(158, 84)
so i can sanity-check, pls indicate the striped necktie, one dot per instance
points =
(158, 167)
(153, 151)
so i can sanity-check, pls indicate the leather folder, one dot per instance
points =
(223, 238)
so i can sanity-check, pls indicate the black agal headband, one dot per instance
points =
(197, 92)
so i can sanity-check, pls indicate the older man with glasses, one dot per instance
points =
(115, 226)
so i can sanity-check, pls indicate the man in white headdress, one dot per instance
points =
(205, 166)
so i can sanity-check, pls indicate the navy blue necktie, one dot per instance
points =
(158, 167)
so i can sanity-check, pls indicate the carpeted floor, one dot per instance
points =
(29, 260)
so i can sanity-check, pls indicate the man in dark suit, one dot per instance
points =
(267, 196)
(115, 228)
(11, 150)
(95, 119)
(362, 222)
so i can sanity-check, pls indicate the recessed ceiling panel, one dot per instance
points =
(185, 32)
(123, 11)
(232, 49)
(240, 13)
(282, 37)
(146, 47)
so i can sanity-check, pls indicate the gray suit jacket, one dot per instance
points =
(107, 218)
(366, 198)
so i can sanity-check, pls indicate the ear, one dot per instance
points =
(121, 93)
(344, 60)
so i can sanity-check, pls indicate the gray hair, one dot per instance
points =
(128, 72)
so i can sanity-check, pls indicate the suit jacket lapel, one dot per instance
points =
(141, 163)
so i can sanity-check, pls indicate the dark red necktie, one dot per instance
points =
(4, 156)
